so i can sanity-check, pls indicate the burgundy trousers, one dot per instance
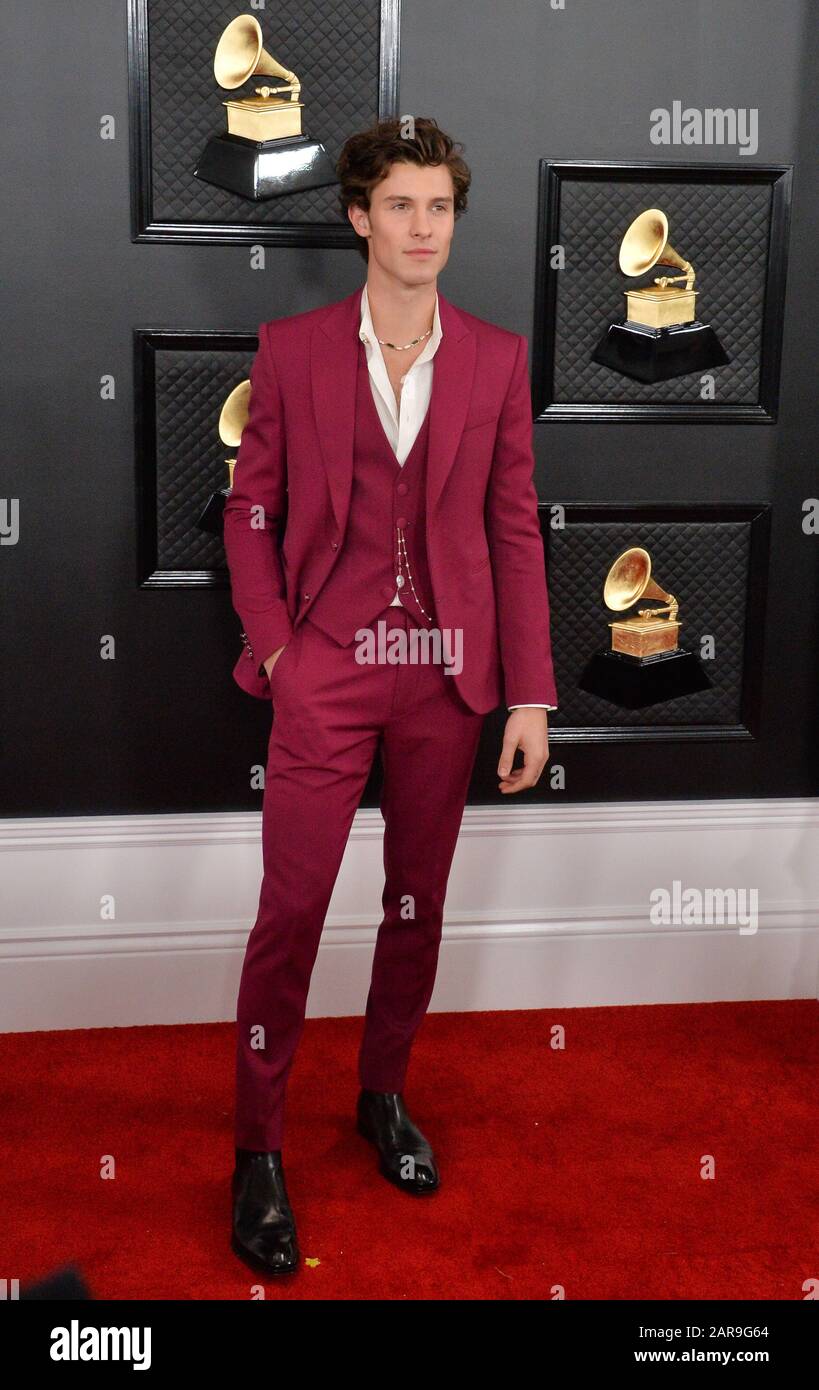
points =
(331, 713)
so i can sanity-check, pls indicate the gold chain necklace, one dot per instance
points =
(404, 347)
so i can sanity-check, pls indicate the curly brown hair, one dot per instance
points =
(366, 157)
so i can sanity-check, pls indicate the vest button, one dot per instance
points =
(402, 488)
(401, 521)
(387, 591)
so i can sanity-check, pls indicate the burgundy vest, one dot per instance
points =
(384, 495)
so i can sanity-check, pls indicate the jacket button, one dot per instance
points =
(334, 545)
(402, 488)
(305, 595)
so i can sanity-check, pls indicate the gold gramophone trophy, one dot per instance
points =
(661, 336)
(645, 663)
(232, 420)
(264, 152)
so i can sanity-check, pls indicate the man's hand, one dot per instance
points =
(272, 659)
(527, 729)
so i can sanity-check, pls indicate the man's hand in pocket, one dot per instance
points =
(271, 660)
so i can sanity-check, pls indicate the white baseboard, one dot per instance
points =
(547, 907)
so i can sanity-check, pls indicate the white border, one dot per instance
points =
(547, 906)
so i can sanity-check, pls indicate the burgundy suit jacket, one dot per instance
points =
(484, 546)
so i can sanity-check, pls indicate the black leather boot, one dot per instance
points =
(264, 1229)
(382, 1118)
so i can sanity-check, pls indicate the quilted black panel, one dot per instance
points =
(723, 229)
(191, 387)
(703, 563)
(333, 49)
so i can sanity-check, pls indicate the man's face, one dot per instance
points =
(411, 210)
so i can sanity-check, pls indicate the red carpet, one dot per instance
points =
(578, 1168)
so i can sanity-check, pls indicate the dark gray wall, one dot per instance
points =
(164, 728)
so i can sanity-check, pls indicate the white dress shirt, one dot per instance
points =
(402, 421)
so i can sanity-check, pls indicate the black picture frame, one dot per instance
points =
(146, 343)
(553, 174)
(146, 227)
(757, 515)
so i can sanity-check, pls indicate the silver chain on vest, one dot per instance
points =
(399, 578)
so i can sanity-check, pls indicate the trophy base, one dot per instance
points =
(260, 169)
(634, 682)
(212, 517)
(658, 354)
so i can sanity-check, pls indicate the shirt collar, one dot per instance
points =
(366, 331)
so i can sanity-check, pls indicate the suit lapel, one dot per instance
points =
(334, 349)
(452, 375)
(334, 345)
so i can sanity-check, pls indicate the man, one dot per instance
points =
(395, 433)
